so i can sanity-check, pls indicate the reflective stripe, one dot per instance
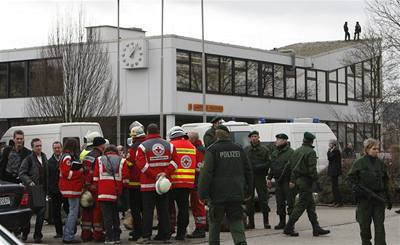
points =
(70, 173)
(130, 164)
(71, 192)
(174, 164)
(148, 185)
(134, 183)
(183, 182)
(182, 170)
(95, 178)
(146, 166)
(182, 176)
(186, 151)
(107, 196)
(86, 223)
(106, 176)
(158, 164)
(125, 181)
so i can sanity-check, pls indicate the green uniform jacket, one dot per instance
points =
(259, 158)
(304, 164)
(370, 172)
(280, 159)
(226, 175)
(209, 137)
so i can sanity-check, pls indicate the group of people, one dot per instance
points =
(357, 31)
(171, 176)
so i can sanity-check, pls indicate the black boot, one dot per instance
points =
(289, 229)
(317, 230)
(197, 233)
(397, 211)
(266, 221)
(250, 225)
(282, 222)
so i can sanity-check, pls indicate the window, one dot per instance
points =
(252, 78)
(3, 80)
(311, 85)
(358, 81)
(341, 135)
(196, 73)
(45, 78)
(341, 76)
(18, 79)
(333, 93)
(212, 70)
(226, 75)
(367, 78)
(240, 76)
(290, 79)
(278, 81)
(182, 70)
(267, 82)
(350, 83)
(321, 86)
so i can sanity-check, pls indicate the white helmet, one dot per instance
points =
(162, 185)
(137, 132)
(176, 132)
(86, 200)
(135, 124)
(90, 137)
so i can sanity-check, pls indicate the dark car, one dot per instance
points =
(14, 211)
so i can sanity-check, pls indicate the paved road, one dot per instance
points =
(340, 221)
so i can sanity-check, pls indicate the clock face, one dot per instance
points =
(134, 54)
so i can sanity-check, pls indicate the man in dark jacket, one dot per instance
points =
(57, 199)
(33, 174)
(259, 159)
(225, 181)
(348, 152)
(334, 171)
(346, 32)
(209, 136)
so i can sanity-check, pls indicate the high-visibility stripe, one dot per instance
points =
(158, 164)
(95, 178)
(181, 176)
(125, 181)
(131, 183)
(174, 164)
(185, 151)
(107, 196)
(182, 170)
(71, 192)
(148, 185)
(146, 166)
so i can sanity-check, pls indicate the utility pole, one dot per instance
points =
(162, 73)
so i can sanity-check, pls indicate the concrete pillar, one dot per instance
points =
(170, 122)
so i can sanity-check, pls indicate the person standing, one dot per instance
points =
(71, 184)
(304, 176)
(226, 180)
(259, 159)
(280, 171)
(370, 172)
(135, 196)
(348, 152)
(155, 158)
(357, 31)
(110, 174)
(334, 171)
(198, 207)
(33, 174)
(209, 136)
(346, 32)
(54, 191)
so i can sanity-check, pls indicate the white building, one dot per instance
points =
(245, 84)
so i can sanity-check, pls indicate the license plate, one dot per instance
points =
(5, 201)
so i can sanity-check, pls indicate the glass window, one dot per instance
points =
(342, 75)
(342, 134)
(252, 78)
(290, 76)
(267, 79)
(342, 93)
(332, 76)
(321, 86)
(311, 89)
(358, 81)
(240, 76)
(3, 80)
(367, 78)
(332, 92)
(311, 74)
(226, 75)
(196, 73)
(300, 79)
(212, 73)
(350, 83)
(278, 81)
(54, 77)
(18, 79)
(182, 70)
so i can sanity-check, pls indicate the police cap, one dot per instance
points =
(215, 119)
(309, 136)
(223, 127)
(282, 136)
(253, 132)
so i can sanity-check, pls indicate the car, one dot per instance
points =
(7, 238)
(14, 210)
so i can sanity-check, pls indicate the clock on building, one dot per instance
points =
(134, 54)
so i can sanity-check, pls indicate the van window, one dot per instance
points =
(241, 138)
(77, 138)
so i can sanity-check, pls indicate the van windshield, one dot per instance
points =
(241, 138)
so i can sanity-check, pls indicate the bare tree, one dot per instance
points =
(82, 59)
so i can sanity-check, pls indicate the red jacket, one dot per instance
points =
(154, 156)
(134, 171)
(88, 167)
(201, 150)
(184, 175)
(70, 182)
(108, 188)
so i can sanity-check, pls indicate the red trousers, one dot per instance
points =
(198, 209)
(92, 223)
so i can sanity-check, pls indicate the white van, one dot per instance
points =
(49, 133)
(295, 132)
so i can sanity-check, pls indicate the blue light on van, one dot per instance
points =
(262, 120)
(316, 120)
(290, 120)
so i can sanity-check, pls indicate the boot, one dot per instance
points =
(282, 222)
(289, 228)
(266, 221)
(317, 230)
(197, 233)
(250, 225)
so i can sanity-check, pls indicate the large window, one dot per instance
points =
(311, 85)
(182, 70)
(45, 78)
(3, 80)
(18, 79)
(226, 75)
(278, 81)
(212, 73)
(195, 72)
(321, 86)
(290, 82)
(300, 83)
(267, 80)
(240, 77)
(252, 78)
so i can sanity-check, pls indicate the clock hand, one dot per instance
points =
(133, 51)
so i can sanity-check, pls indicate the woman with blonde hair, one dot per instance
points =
(370, 172)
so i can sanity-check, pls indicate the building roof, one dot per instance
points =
(315, 48)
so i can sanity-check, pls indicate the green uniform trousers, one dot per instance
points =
(305, 202)
(284, 198)
(366, 212)
(234, 214)
(260, 185)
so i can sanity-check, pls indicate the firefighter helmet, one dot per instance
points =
(162, 185)
(86, 200)
(176, 132)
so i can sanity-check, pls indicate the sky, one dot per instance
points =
(264, 24)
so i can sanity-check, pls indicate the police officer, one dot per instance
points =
(370, 172)
(280, 170)
(259, 158)
(209, 136)
(305, 177)
(225, 181)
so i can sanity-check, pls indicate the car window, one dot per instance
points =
(241, 138)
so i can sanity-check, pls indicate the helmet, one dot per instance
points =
(137, 132)
(86, 200)
(90, 137)
(162, 185)
(135, 124)
(176, 132)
